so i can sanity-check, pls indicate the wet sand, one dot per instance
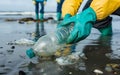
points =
(103, 53)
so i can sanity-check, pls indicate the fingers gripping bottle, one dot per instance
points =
(48, 44)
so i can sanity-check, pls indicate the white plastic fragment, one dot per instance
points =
(70, 72)
(24, 41)
(98, 71)
(67, 60)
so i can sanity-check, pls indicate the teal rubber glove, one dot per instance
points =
(82, 25)
(106, 31)
(58, 16)
(67, 16)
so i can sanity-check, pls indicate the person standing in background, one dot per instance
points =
(42, 3)
(59, 7)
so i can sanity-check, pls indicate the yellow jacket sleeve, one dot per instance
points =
(70, 7)
(58, 1)
(104, 8)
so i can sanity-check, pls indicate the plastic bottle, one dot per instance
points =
(48, 44)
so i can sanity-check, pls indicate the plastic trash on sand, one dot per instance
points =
(68, 60)
(47, 45)
(24, 41)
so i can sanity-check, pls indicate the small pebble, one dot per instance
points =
(9, 61)
(70, 72)
(13, 47)
(42, 70)
(98, 71)
(2, 65)
(1, 52)
(22, 73)
(1, 47)
(44, 74)
(10, 51)
(10, 43)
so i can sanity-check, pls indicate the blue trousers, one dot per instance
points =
(59, 6)
(37, 7)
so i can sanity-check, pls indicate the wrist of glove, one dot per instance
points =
(66, 17)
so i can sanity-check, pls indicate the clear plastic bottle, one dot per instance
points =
(48, 44)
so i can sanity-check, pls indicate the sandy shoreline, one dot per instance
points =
(101, 51)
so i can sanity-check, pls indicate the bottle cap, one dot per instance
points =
(30, 53)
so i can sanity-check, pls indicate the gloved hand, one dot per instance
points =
(34, 2)
(67, 16)
(58, 1)
(82, 25)
(44, 2)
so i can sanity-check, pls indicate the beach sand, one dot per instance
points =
(103, 53)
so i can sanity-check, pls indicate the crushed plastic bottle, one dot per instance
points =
(48, 44)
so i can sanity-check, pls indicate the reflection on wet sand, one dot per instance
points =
(96, 62)
(96, 55)
(98, 52)
(39, 31)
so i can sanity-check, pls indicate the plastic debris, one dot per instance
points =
(108, 68)
(114, 68)
(70, 72)
(24, 42)
(42, 70)
(13, 47)
(68, 60)
(97, 71)
(22, 73)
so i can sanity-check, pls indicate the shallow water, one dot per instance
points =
(103, 53)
